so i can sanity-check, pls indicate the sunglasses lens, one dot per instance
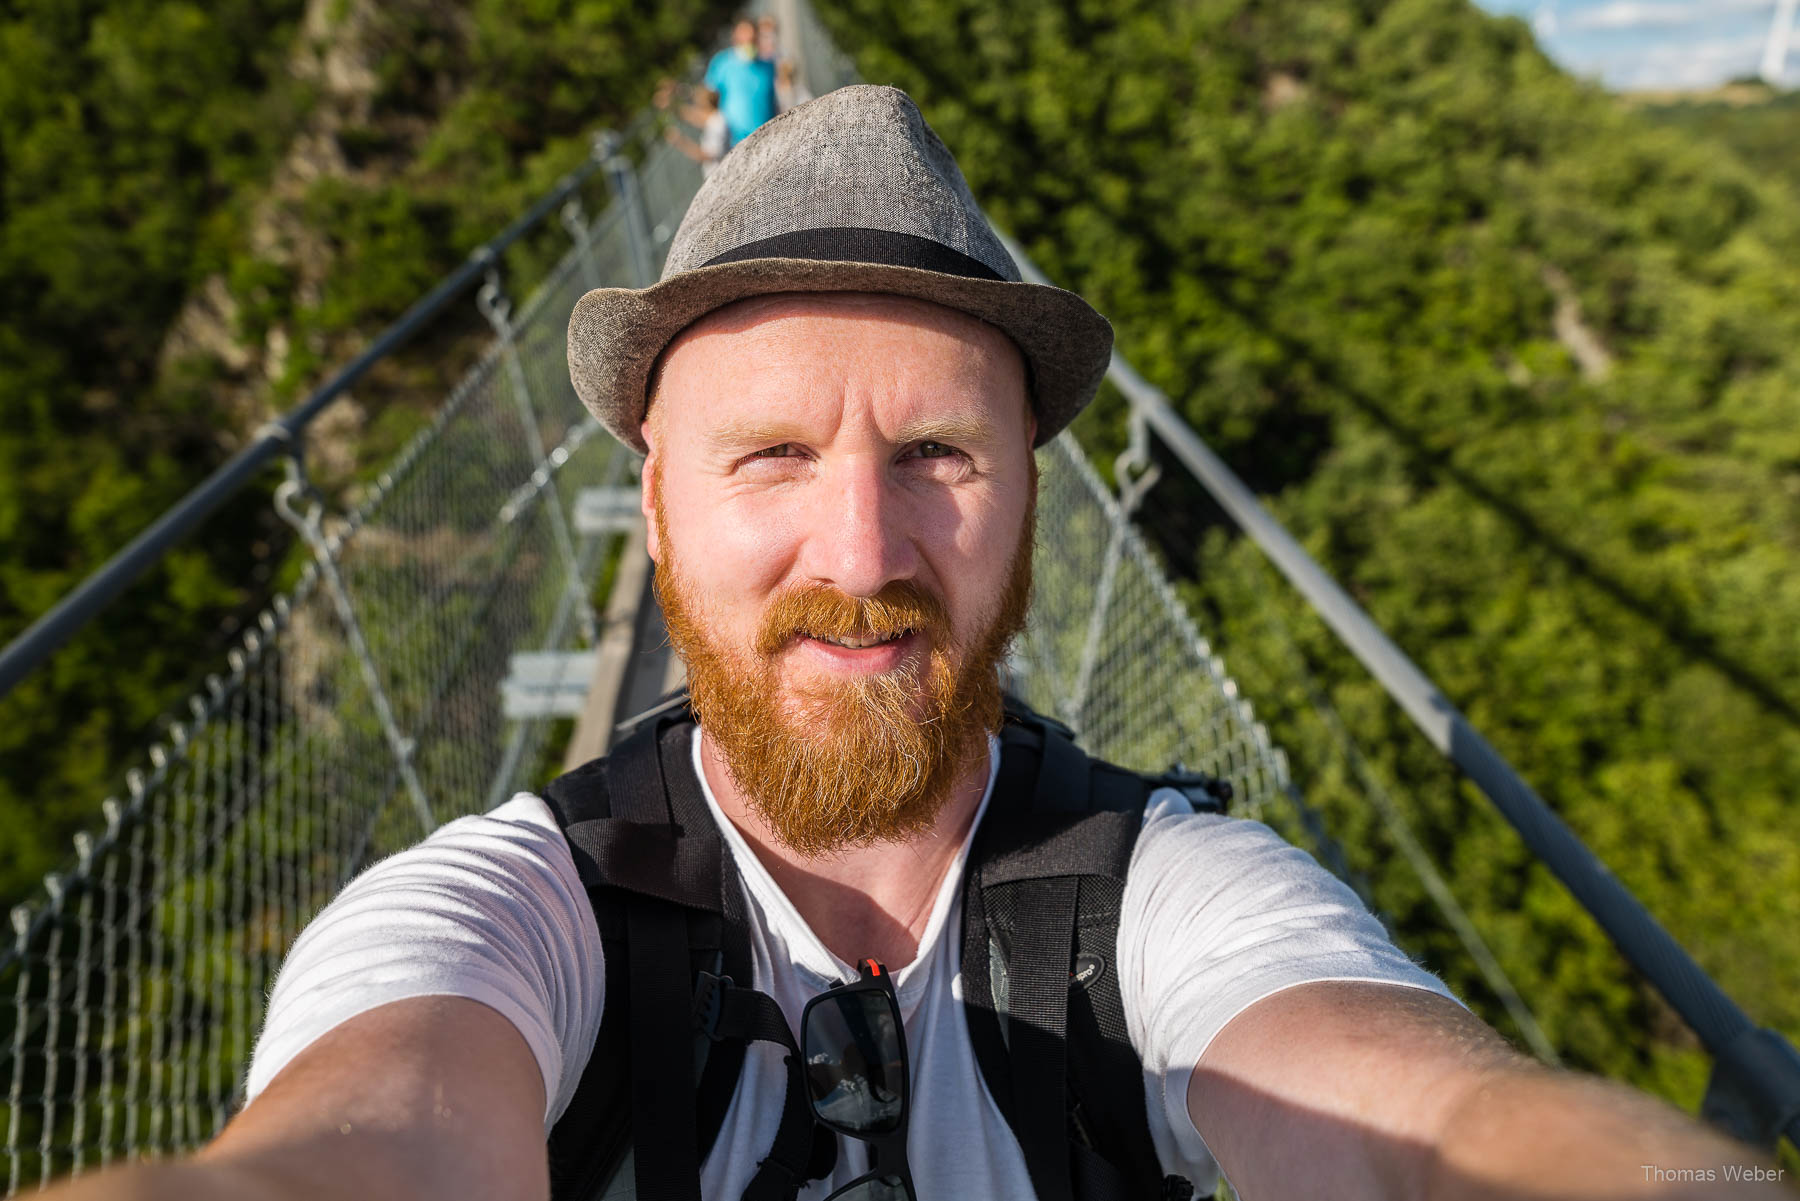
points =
(853, 1065)
(874, 1188)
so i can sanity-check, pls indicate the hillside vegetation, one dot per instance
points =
(1520, 368)
(203, 209)
(1759, 125)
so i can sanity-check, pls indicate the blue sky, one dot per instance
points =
(1631, 44)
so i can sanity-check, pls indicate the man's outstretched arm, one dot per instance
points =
(433, 1098)
(1359, 1090)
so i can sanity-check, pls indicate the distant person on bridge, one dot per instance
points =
(1100, 986)
(745, 82)
(790, 89)
(703, 113)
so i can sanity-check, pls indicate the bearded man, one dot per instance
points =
(838, 386)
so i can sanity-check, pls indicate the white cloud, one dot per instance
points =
(1686, 64)
(1640, 14)
(1645, 44)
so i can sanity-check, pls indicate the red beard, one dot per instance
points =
(860, 760)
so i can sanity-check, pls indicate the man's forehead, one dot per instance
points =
(765, 330)
(763, 315)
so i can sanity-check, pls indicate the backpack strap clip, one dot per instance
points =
(1207, 793)
(1177, 1188)
(723, 1011)
(709, 1003)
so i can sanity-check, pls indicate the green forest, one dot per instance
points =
(1752, 119)
(1517, 361)
(206, 208)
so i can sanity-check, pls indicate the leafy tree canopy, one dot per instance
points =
(204, 208)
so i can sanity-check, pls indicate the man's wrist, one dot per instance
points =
(1531, 1131)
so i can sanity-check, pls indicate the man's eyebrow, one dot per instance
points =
(734, 432)
(954, 428)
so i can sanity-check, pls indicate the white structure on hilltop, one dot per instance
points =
(1781, 33)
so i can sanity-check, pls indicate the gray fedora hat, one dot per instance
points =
(851, 192)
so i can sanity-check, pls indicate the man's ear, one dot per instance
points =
(647, 502)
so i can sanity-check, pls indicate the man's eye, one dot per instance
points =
(785, 450)
(935, 450)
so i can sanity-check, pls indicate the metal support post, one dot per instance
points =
(621, 174)
(15, 1097)
(495, 306)
(1754, 1090)
(574, 219)
(787, 25)
(325, 551)
(1075, 708)
(1136, 474)
(1134, 470)
(518, 741)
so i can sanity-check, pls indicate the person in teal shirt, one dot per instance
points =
(745, 83)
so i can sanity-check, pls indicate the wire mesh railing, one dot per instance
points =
(1111, 651)
(361, 708)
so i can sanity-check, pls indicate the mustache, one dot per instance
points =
(821, 611)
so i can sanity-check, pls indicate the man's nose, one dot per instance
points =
(858, 537)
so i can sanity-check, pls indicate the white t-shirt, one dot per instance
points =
(715, 140)
(1218, 914)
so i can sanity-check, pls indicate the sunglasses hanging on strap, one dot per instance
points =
(852, 1079)
(857, 1078)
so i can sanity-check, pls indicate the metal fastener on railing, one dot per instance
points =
(496, 307)
(310, 526)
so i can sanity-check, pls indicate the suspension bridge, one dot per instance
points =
(446, 632)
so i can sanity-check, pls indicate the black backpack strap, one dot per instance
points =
(652, 849)
(590, 1139)
(720, 932)
(667, 900)
(1040, 936)
(675, 934)
(1038, 1019)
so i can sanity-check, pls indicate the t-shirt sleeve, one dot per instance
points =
(1219, 913)
(715, 137)
(488, 907)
